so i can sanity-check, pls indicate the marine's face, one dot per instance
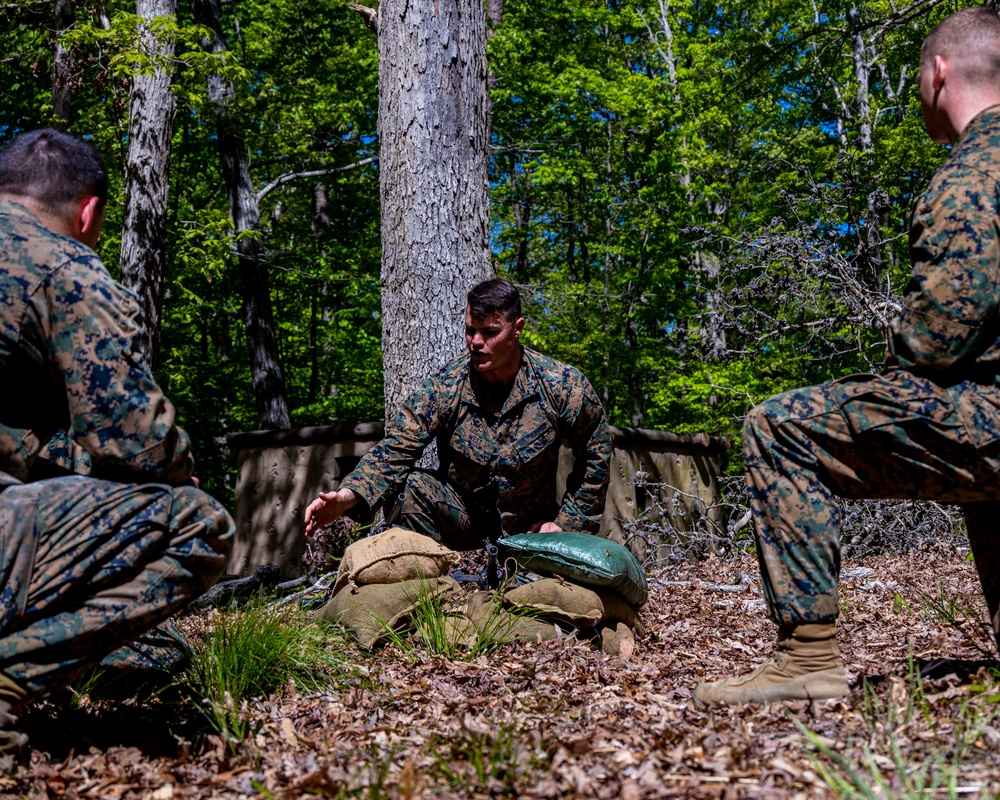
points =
(493, 345)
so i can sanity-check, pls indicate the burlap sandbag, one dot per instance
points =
(617, 639)
(370, 611)
(458, 630)
(391, 556)
(580, 606)
(502, 626)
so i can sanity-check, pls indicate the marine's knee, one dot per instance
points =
(422, 487)
(760, 425)
(194, 511)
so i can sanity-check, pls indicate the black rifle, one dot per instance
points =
(493, 575)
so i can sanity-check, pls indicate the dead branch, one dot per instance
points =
(743, 585)
(369, 15)
(322, 585)
(315, 173)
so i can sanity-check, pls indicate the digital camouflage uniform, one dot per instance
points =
(928, 428)
(87, 563)
(498, 454)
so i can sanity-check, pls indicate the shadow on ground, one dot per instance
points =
(938, 668)
(62, 728)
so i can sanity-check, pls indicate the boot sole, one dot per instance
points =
(826, 685)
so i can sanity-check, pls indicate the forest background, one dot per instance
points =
(703, 203)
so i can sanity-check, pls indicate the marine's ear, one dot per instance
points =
(89, 219)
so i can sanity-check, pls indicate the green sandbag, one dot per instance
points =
(582, 558)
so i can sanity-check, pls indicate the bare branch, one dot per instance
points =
(281, 180)
(901, 16)
(369, 15)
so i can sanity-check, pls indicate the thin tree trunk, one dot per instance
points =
(872, 215)
(147, 178)
(62, 65)
(433, 181)
(265, 368)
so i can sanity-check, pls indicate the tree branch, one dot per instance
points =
(369, 15)
(281, 180)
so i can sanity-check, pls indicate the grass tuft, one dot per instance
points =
(253, 652)
(435, 627)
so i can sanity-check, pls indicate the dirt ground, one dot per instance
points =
(561, 719)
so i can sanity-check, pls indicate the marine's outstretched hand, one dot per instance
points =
(326, 508)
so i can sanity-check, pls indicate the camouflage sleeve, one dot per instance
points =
(382, 471)
(117, 412)
(588, 437)
(950, 310)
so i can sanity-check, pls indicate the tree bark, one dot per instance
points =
(147, 167)
(265, 368)
(433, 181)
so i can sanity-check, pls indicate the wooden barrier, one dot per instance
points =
(280, 472)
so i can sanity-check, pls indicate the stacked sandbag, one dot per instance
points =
(382, 578)
(595, 584)
(491, 620)
(391, 556)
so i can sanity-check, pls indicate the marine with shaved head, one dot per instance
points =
(928, 427)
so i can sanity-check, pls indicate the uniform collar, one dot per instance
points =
(984, 119)
(525, 385)
(16, 209)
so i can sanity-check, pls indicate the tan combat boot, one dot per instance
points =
(806, 665)
(12, 741)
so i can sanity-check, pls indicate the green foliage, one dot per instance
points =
(252, 652)
(704, 205)
(306, 93)
(685, 193)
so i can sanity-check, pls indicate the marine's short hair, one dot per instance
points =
(969, 39)
(53, 168)
(496, 294)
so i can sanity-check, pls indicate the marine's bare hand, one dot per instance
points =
(544, 527)
(328, 507)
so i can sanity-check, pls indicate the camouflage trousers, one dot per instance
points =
(439, 510)
(87, 566)
(866, 437)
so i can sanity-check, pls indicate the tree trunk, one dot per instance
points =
(147, 167)
(265, 368)
(872, 251)
(433, 181)
(62, 65)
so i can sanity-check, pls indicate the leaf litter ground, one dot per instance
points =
(561, 719)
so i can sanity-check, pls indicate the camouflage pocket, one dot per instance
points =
(537, 442)
(979, 411)
(897, 401)
(469, 456)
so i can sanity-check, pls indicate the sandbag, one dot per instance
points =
(582, 558)
(391, 556)
(617, 640)
(500, 625)
(580, 606)
(369, 611)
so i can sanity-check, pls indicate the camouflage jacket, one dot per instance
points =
(505, 457)
(65, 362)
(949, 329)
